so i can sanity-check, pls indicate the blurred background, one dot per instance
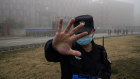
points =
(26, 25)
(38, 18)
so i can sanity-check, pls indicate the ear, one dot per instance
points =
(92, 32)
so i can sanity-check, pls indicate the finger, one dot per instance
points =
(69, 25)
(78, 36)
(60, 25)
(74, 52)
(76, 29)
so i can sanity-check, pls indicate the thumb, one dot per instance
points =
(74, 52)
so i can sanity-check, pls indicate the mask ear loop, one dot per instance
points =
(92, 35)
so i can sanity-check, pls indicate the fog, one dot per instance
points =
(42, 16)
(27, 27)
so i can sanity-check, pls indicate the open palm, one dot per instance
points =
(62, 41)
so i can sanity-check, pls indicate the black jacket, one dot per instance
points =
(93, 63)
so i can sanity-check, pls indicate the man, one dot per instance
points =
(79, 56)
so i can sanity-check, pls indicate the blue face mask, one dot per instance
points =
(84, 40)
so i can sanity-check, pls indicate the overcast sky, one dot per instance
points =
(137, 10)
(136, 3)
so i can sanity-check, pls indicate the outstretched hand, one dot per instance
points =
(62, 41)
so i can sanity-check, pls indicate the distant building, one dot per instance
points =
(44, 14)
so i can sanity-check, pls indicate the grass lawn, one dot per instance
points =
(123, 51)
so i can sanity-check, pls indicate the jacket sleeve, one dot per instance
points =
(51, 54)
(106, 72)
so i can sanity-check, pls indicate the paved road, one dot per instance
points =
(22, 41)
(7, 42)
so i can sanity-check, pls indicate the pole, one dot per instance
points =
(103, 41)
